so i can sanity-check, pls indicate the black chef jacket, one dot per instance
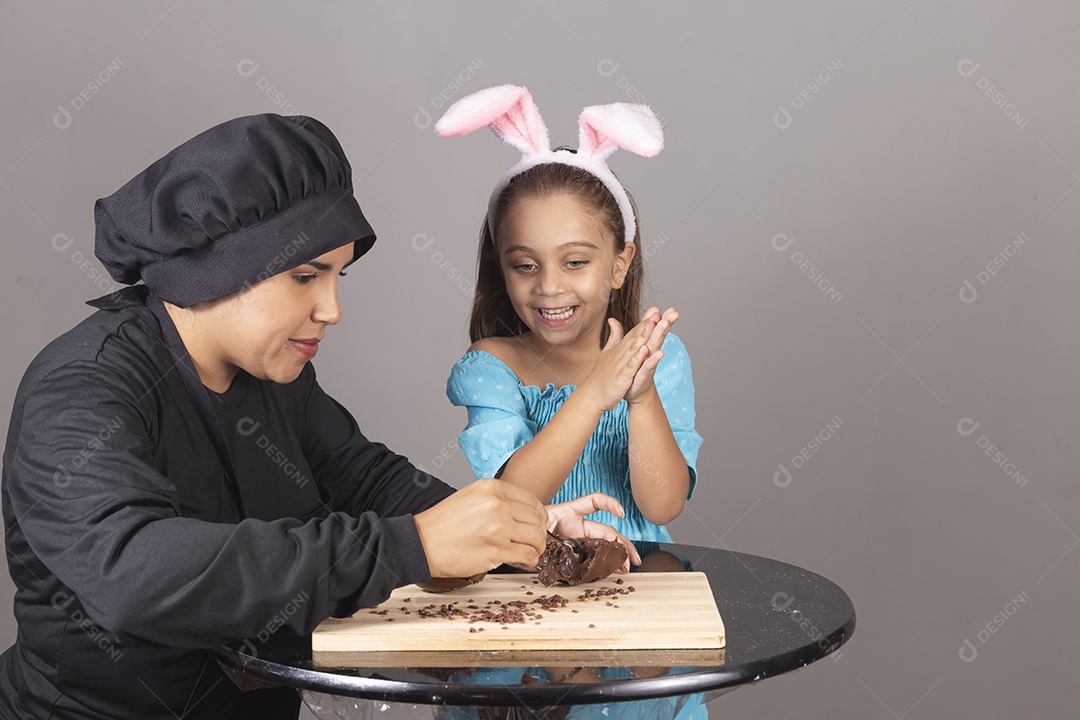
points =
(134, 554)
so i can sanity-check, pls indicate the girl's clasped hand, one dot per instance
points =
(628, 361)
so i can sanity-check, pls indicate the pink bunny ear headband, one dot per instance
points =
(512, 115)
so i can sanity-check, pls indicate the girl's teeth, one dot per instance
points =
(561, 314)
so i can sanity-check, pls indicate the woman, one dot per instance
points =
(174, 476)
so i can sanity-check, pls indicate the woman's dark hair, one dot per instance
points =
(493, 314)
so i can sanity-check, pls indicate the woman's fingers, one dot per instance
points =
(480, 527)
(528, 530)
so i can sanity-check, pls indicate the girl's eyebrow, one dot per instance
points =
(572, 243)
(318, 265)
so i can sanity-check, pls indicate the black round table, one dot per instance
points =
(777, 618)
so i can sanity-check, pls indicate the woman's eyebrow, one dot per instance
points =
(319, 265)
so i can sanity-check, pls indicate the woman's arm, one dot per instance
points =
(102, 523)
(360, 475)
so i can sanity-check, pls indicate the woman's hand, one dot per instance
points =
(567, 520)
(480, 527)
(643, 379)
(619, 362)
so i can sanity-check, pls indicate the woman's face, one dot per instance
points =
(559, 265)
(273, 328)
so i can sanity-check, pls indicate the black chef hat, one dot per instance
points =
(245, 200)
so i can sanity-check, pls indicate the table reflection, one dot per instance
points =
(595, 668)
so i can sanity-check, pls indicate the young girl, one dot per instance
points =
(561, 398)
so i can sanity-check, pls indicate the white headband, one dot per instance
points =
(512, 115)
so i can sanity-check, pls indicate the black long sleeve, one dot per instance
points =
(127, 545)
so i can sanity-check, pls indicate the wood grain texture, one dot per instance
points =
(665, 611)
(665, 659)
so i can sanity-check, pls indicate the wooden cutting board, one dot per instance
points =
(663, 611)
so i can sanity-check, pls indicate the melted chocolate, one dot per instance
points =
(558, 563)
(441, 585)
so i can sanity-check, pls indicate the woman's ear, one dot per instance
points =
(622, 265)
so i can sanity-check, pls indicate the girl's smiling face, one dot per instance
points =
(559, 266)
(271, 329)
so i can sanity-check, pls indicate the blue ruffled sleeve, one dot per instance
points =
(675, 385)
(498, 421)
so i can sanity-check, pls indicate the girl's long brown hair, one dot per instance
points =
(492, 313)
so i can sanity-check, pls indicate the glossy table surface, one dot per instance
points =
(777, 618)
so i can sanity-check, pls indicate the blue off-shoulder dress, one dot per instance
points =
(504, 415)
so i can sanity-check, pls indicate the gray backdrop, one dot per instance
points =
(862, 212)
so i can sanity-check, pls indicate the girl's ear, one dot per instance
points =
(510, 112)
(622, 265)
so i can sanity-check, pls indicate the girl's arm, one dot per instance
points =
(544, 463)
(659, 476)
